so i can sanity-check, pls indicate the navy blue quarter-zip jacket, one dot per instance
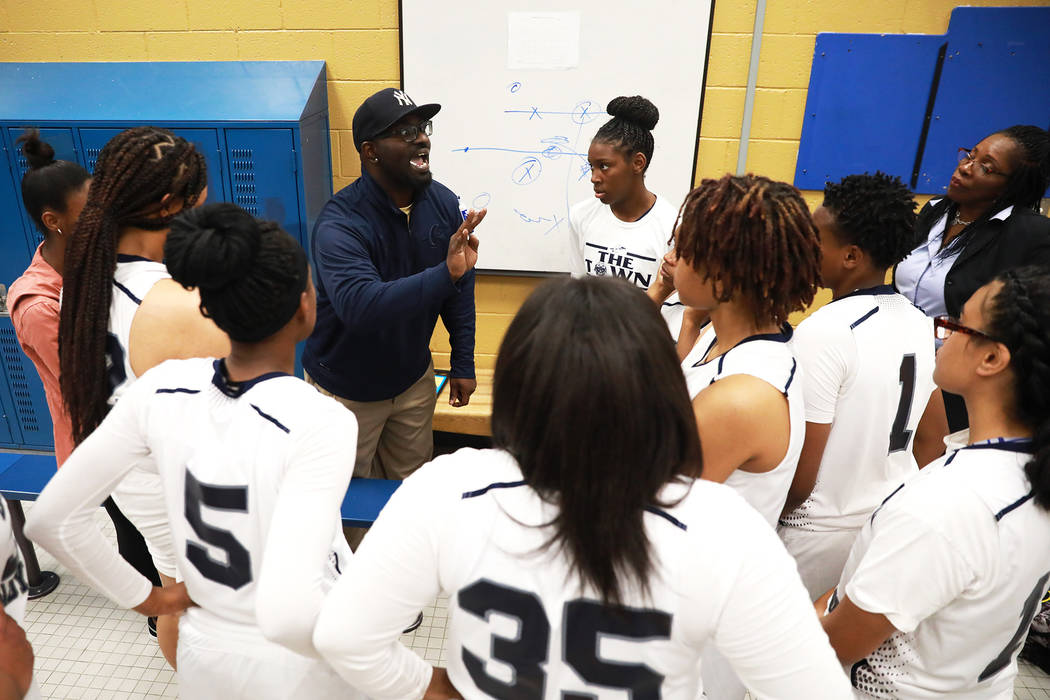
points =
(382, 282)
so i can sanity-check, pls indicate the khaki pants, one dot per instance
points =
(395, 436)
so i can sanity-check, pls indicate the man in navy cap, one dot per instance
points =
(392, 252)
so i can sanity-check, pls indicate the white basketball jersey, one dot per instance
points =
(223, 451)
(868, 360)
(132, 280)
(957, 559)
(14, 584)
(522, 625)
(673, 310)
(768, 357)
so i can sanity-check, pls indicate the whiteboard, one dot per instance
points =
(523, 88)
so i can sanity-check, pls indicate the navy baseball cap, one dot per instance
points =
(384, 109)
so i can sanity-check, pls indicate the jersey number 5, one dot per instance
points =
(237, 570)
(585, 621)
(899, 434)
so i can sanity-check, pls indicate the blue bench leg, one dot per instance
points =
(40, 582)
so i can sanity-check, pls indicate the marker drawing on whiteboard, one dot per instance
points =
(552, 219)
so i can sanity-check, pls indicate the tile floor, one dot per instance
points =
(86, 648)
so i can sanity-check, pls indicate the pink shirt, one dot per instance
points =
(33, 301)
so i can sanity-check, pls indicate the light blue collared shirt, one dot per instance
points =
(921, 275)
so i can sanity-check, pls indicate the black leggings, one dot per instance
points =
(131, 544)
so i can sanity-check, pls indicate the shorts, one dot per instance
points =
(219, 664)
(140, 497)
(819, 556)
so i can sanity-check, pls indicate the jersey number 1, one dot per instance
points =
(237, 571)
(899, 434)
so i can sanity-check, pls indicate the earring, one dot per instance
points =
(59, 231)
(375, 160)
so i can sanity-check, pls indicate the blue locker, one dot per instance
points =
(28, 419)
(15, 255)
(204, 140)
(262, 127)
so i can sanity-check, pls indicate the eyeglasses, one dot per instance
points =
(944, 326)
(410, 132)
(966, 156)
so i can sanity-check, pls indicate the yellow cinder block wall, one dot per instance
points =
(359, 40)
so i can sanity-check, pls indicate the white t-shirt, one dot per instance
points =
(253, 476)
(768, 357)
(602, 245)
(520, 625)
(957, 559)
(868, 360)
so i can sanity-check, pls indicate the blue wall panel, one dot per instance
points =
(996, 74)
(867, 99)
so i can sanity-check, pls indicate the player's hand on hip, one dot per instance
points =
(463, 246)
(166, 601)
(441, 687)
(459, 390)
(16, 658)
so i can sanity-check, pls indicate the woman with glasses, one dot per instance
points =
(988, 222)
(944, 579)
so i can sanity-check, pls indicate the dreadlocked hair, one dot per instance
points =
(250, 273)
(133, 173)
(1025, 185)
(631, 126)
(1019, 317)
(48, 183)
(876, 213)
(755, 237)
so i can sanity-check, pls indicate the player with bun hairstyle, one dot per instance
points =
(624, 230)
(54, 192)
(254, 465)
(585, 523)
(945, 577)
(121, 315)
(868, 373)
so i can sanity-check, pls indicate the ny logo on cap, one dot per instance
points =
(403, 99)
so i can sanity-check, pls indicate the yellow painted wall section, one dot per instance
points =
(359, 40)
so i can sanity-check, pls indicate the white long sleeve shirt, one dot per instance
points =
(253, 476)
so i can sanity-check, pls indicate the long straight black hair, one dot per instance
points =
(590, 399)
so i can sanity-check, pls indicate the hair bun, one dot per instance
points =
(37, 153)
(212, 246)
(636, 110)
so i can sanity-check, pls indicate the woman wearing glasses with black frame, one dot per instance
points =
(988, 222)
(945, 577)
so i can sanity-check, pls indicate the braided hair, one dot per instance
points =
(48, 183)
(756, 238)
(631, 126)
(1025, 185)
(134, 172)
(876, 213)
(1019, 317)
(250, 273)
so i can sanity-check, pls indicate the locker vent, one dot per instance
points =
(242, 168)
(92, 158)
(12, 358)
